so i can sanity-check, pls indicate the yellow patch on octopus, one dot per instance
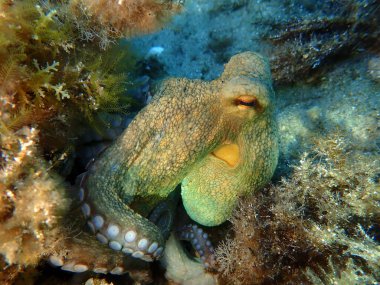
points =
(229, 153)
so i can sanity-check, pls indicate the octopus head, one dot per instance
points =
(245, 157)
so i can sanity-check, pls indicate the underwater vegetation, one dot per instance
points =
(60, 69)
(316, 227)
(49, 77)
(131, 17)
(304, 48)
(63, 73)
(32, 200)
(57, 66)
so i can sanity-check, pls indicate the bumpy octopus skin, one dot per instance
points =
(217, 139)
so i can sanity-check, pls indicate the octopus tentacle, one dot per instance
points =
(182, 269)
(120, 227)
(200, 242)
(82, 253)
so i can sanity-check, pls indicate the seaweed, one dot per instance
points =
(32, 203)
(314, 228)
(55, 84)
(54, 76)
(107, 20)
(304, 48)
(45, 74)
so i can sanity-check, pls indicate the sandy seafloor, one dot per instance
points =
(346, 99)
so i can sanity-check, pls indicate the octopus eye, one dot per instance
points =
(246, 102)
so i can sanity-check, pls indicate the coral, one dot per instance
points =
(304, 48)
(316, 227)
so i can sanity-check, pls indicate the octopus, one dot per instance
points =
(208, 142)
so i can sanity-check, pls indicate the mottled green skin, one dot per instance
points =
(170, 141)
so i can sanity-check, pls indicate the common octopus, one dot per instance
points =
(217, 139)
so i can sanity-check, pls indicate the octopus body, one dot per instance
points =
(217, 139)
